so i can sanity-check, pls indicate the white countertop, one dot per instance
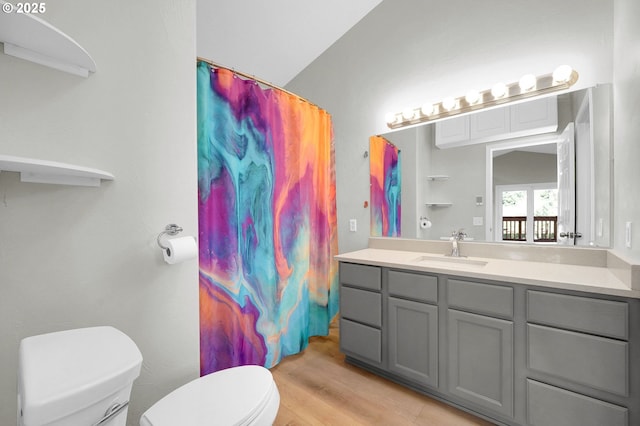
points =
(592, 279)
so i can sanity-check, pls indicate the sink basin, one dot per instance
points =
(449, 261)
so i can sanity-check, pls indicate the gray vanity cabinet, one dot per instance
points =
(480, 360)
(578, 359)
(515, 354)
(413, 327)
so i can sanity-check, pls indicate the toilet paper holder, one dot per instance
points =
(424, 222)
(171, 229)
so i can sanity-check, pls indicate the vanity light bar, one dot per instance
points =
(528, 86)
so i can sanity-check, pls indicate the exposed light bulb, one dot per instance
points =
(527, 82)
(408, 113)
(529, 85)
(472, 96)
(427, 109)
(449, 103)
(562, 74)
(499, 90)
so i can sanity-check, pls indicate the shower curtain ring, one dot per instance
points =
(171, 229)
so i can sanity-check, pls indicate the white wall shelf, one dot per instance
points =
(437, 177)
(438, 204)
(42, 171)
(28, 37)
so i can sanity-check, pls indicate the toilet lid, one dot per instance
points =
(234, 396)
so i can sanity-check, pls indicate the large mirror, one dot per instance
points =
(537, 172)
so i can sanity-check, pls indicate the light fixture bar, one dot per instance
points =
(529, 86)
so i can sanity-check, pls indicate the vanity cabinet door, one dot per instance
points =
(593, 361)
(361, 341)
(418, 287)
(413, 340)
(360, 276)
(481, 360)
(361, 306)
(606, 318)
(551, 406)
(481, 298)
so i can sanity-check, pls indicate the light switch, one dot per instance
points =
(353, 225)
(627, 235)
(478, 221)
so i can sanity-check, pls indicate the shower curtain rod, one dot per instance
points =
(256, 79)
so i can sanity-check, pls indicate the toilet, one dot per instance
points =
(84, 377)
(244, 395)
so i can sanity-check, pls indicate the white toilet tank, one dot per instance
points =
(77, 377)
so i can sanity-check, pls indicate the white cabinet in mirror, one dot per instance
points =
(508, 122)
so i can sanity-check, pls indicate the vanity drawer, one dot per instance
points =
(481, 298)
(423, 288)
(597, 362)
(552, 406)
(361, 305)
(363, 276)
(361, 340)
(596, 316)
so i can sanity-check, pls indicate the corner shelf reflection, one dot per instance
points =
(438, 204)
(437, 177)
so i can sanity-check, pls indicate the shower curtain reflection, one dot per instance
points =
(267, 222)
(386, 184)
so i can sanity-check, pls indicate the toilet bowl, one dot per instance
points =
(245, 395)
(84, 377)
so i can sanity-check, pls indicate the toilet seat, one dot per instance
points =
(245, 395)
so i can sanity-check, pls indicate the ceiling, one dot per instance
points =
(273, 40)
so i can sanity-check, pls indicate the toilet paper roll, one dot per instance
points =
(180, 249)
(425, 224)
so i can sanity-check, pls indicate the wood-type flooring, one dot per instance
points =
(317, 387)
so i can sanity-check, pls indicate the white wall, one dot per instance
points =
(626, 130)
(75, 257)
(466, 168)
(603, 155)
(406, 52)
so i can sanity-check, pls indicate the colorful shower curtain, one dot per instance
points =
(385, 175)
(267, 222)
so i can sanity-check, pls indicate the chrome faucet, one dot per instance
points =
(456, 236)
